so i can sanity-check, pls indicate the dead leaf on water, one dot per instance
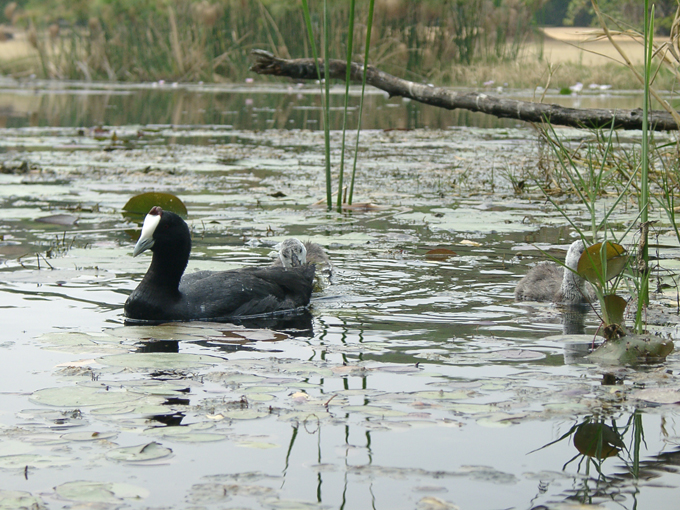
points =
(439, 254)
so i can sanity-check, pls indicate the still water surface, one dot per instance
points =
(414, 382)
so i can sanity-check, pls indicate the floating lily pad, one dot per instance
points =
(185, 434)
(140, 453)
(159, 360)
(264, 389)
(100, 492)
(59, 219)
(162, 388)
(590, 265)
(19, 500)
(244, 414)
(633, 349)
(161, 332)
(432, 503)
(658, 395)
(259, 445)
(139, 205)
(261, 397)
(33, 461)
(81, 396)
(517, 354)
(374, 411)
(89, 436)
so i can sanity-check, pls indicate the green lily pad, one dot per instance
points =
(159, 360)
(161, 332)
(88, 435)
(197, 437)
(244, 414)
(440, 395)
(140, 453)
(374, 411)
(633, 349)
(259, 445)
(100, 492)
(19, 500)
(139, 205)
(658, 395)
(81, 396)
(33, 461)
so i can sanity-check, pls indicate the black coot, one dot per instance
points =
(549, 282)
(165, 295)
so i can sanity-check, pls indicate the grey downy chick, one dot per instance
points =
(549, 282)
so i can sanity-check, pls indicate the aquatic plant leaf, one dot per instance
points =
(244, 414)
(185, 435)
(597, 440)
(99, 492)
(264, 389)
(616, 306)
(374, 411)
(139, 205)
(440, 395)
(261, 397)
(161, 332)
(590, 263)
(64, 220)
(19, 500)
(658, 395)
(81, 396)
(633, 349)
(432, 503)
(259, 445)
(159, 360)
(517, 354)
(163, 388)
(33, 461)
(140, 453)
(88, 435)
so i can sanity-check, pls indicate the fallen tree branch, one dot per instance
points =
(305, 69)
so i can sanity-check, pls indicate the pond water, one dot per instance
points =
(414, 381)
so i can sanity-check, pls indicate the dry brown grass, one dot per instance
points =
(567, 51)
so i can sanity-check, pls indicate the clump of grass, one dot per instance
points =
(211, 40)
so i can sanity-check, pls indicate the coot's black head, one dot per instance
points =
(166, 235)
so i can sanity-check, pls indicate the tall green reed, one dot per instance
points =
(643, 294)
(367, 46)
